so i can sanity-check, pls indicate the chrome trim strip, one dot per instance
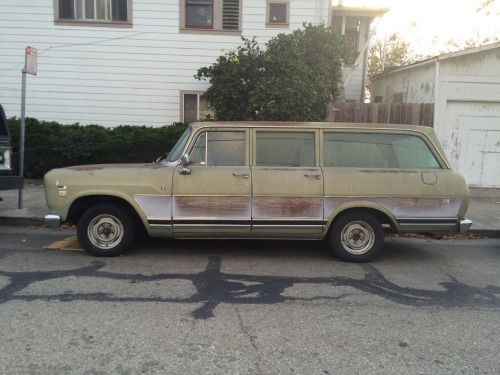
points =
(427, 221)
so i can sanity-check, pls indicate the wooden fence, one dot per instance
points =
(382, 113)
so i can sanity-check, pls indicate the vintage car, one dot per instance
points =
(344, 183)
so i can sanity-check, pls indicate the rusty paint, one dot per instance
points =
(211, 206)
(287, 207)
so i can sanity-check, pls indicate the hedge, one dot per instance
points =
(51, 145)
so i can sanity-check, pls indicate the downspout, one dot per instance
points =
(320, 11)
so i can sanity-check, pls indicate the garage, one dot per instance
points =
(465, 89)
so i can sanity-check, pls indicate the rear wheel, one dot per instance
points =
(105, 230)
(356, 237)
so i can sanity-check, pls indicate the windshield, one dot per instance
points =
(175, 153)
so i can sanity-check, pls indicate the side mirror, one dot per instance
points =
(185, 162)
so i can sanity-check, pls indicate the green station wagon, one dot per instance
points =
(344, 183)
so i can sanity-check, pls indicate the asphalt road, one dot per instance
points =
(248, 307)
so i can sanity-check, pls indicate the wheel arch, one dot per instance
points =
(380, 213)
(81, 204)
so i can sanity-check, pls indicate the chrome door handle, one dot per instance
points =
(316, 176)
(244, 175)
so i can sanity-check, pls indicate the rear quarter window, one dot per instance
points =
(368, 150)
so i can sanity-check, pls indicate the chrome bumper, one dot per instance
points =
(52, 221)
(465, 225)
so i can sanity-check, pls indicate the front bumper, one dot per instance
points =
(465, 225)
(52, 221)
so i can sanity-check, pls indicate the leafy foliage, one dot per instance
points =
(392, 52)
(51, 145)
(294, 79)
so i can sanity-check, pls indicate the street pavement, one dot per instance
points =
(484, 208)
(248, 308)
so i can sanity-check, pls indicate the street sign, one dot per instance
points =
(31, 63)
(30, 67)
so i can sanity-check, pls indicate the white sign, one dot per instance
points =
(31, 57)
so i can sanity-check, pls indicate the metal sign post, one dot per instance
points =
(30, 67)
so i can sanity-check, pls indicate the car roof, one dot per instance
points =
(312, 125)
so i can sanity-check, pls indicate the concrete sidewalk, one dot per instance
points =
(484, 208)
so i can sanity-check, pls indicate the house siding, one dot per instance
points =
(119, 75)
(415, 85)
(354, 75)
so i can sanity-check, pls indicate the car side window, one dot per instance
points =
(366, 150)
(220, 148)
(285, 149)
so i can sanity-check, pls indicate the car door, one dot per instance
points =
(287, 198)
(211, 198)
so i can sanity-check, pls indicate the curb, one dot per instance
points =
(21, 221)
(490, 233)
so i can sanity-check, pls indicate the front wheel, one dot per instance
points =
(356, 237)
(105, 230)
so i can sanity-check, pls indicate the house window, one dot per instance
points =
(194, 107)
(277, 13)
(199, 13)
(95, 11)
(210, 16)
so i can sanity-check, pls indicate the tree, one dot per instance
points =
(486, 9)
(294, 79)
(390, 52)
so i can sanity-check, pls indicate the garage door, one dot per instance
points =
(473, 141)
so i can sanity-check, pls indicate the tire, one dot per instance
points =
(105, 230)
(356, 237)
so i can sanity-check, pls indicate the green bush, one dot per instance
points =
(51, 145)
(293, 79)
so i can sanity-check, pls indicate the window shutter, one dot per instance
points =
(230, 14)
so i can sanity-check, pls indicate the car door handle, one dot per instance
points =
(244, 175)
(316, 176)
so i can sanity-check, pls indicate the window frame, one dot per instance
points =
(217, 20)
(430, 147)
(315, 152)
(78, 8)
(277, 24)
(204, 3)
(198, 94)
(205, 132)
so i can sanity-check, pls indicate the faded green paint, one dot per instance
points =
(267, 202)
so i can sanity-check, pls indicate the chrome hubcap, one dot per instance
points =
(105, 231)
(357, 237)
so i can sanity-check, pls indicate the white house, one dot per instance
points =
(465, 89)
(113, 62)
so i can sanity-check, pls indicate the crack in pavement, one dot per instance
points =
(214, 287)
